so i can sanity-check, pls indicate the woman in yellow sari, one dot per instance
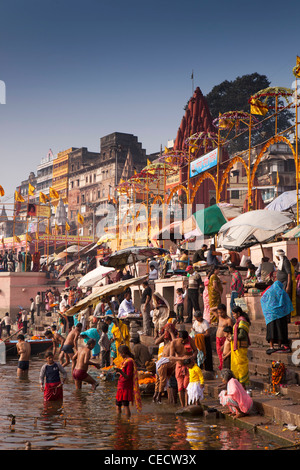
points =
(239, 346)
(121, 336)
(215, 290)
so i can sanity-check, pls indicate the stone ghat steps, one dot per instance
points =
(275, 409)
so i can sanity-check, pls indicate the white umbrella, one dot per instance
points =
(253, 227)
(284, 202)
(91, 278)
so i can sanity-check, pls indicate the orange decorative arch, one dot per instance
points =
(174, 190)
(273, 140)
(202, 178)
(227, 170)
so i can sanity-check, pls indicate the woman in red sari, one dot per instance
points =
(128, 385)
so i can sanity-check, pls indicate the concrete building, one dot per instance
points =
(93, 180)
(275, 175)
(45, 174)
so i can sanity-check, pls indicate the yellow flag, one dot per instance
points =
(257, 107)
(31, 189)
(53, 193)
(47, 231)
(68, 228)
(296, 70)
(2, 192)
(18, 197)
(148, 162)
(56, 227)
(277, 179)
(44, 198)
(80, 219)
(28, 237)
(17, 239)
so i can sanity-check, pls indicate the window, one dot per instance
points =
(235, 194)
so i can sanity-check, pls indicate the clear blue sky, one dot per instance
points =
(78, 70)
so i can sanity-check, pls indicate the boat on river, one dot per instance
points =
(37, 346)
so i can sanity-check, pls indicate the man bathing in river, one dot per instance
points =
(24, 351)
(182, 348)
(57, 340)
(80, 364)
(70, 345)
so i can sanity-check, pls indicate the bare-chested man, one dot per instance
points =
(223, 320)
(24, 351)
(57, 341)
(164, 366)
(70, 345)
(182, 348)
(80, 364)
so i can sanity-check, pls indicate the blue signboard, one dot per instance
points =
(204, 163)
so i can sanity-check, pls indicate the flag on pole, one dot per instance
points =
(296, 70)
(257, 107)
(68, 228)
(31, 189)
(17, 239)
(43, 198)
(53, 193)
(47, 231)
(18, 197)
(148, 162)
(80, 219)
(277, 179)
(2, 192)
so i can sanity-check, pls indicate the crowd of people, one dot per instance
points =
(184, 333)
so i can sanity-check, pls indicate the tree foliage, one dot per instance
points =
(234, 96)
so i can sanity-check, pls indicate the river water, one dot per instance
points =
(87, 420)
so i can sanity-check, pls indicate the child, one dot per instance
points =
(196, 382)
(51, 373)
(127, 388)
(227, 346)
(104, 343)
(179, 302)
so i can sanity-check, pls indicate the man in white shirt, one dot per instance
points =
(24, 319)
(38, 303)
(7, 322)
(32, 310)
(63, 304)
(153, 274)
(126, 306)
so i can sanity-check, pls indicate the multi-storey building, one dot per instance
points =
(45, 174)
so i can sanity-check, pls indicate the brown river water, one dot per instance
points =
(87, 420)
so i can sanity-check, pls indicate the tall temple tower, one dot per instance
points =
(197, 119)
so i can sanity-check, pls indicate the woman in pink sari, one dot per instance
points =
(235, 396)
(206, 309)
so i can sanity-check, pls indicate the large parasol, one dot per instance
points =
(97, 274)
(132, 255)
(104, 291)
(253, 227)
